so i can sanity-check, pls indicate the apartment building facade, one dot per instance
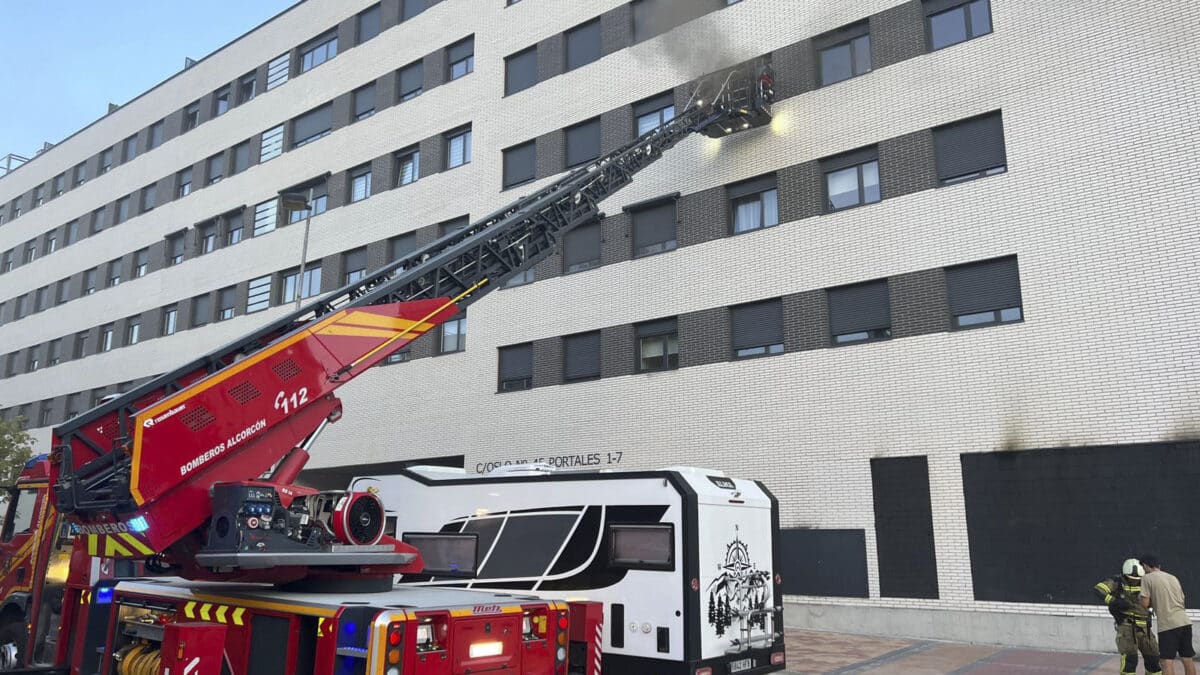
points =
(942, 307)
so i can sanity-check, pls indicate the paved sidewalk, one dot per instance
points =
(810, 652)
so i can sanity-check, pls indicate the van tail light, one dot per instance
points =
(395, 648)
(777, 658)
(704, 671)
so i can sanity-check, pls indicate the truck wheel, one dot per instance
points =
(12, 643)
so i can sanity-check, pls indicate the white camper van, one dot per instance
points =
(685, 560)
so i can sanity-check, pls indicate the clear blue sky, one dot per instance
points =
(63, 62)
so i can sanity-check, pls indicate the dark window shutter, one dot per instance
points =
(970, 146)
(460, 50)
(581, 356)
(312, 123)
(840, 35)
(412, 77)
(519, 163)
(752, 186)
(583, 44)
(364, 100)
(849, 159)
(758, 324)
(583, 142)
(858, 308)
(411, 8)
(368, 24)
(241, 157)
(453, 225)
(582, 245)
(644, 24)
(653, 225)
(657, 327)
(654, 103)
(936, 6)
(984, 286)
(356, 260)
(320, 189)
(402, 245)
(516, 362)
(520, 71)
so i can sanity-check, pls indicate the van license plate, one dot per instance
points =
(740, 665)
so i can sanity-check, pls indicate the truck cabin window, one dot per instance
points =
(20, 513)
(649, 547)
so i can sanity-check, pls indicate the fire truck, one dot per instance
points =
(189, 482)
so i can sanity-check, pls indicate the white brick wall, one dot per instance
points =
(1099, 202)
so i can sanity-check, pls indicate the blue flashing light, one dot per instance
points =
(139, 524)
(104, 595)
(349, 628)
(35, 459)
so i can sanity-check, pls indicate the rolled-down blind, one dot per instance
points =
(412, 77)
(356, 260)
(364, 100)
(583, 44)
(581, 355)
(582, 245)
(516, 362)
(654, 103)
(461, 50)
(969, 146)
(752, 186)
(657, 327)
(520, 71)
(312, 123)
(654, 225)
(758, 324)
(849, 159)
(520, 163)
(858, 308)
(583, 142)
(984, 286)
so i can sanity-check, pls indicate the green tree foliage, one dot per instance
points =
(16, 447)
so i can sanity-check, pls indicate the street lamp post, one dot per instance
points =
(292, 202)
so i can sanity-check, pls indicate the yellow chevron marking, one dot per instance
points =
(355, 331)
(221, 613)
(114, 549)
(189, 610)
(137, 544)
(237, 615)
(93, 544)
(204, 611)
(86, 597)
(321, 628)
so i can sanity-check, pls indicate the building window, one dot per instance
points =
(970, 149)
(129, 149)
(408, 166)
(122, 211)
(40, 298)
(411, 8)
(80, 350)
(355, 265)
(851, 179)
(20, 311)
(191, 116)
(520, 71)
(272, 144)
(233, 228)
(985, 293)
(653, 228)
(581, 248)
(411, 81)
(848, 53)
(32, 362)
(402, 245)
(71, 233)
(59, 185)
(860, 313)
(170, 316)
(72, 406)
(89, 281)
(312, 125)
(458, 148)
(266, 217)
(454, 335)
(141, 263)
(520, 164)
(460, 58)
(582, 143)
(39, 196)
(278, 70)
(221, 101)
(364, 102)
(319, 200)
(106, 337)
(155, 136)
(30, 252)
(583, 44)
(226, 300)
(201, 311)
(241, 157)
(61, 291)
(757, 328)
(960, 23)
(402, 355)
(307, 287)
(654, 112)
(133, 330)
(753, 204)
(258, 297)
(247, 86)
(97, 220)
(368, 24)
(8, 260)
(206, 236)
(658, 345)
(174, 249)
(46, 413)
(183, 183)
(215, 168)
(521, 278)
(325, 49)
(114, 273)
(453, 225)
(54, 353)
(360, 183)
(581, 357)
(148, 199)
(80, 173)
(516, 367)
(50, 242)
(106, 160)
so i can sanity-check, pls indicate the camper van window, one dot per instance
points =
(647, 547)
(527, 545)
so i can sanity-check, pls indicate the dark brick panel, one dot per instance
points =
(801, 191)
(702, 216)
(347, 32)
(805, 321)
(616, 244)
(431, 155)
(341, 112)
(385, 91)
(383, 174)
(173, 125)
(427, 345)
(907, 164)
(616, 29)
(260, 77)
(206, 107)
(904, 527)
(551, 55)
(389, 14)
(435, 69)
(617, 351)
(241, 296)
(616, 128)
(377, 254)
(331, 272)
(550, 149)
(337, 187)
(547, 362)
(919, 303)
(704, 337)
(897, 34)
(550, 266)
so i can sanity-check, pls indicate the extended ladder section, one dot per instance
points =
(141, 465)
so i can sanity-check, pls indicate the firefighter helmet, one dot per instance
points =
(1132, 569)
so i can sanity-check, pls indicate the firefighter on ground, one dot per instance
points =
(1132, 621)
